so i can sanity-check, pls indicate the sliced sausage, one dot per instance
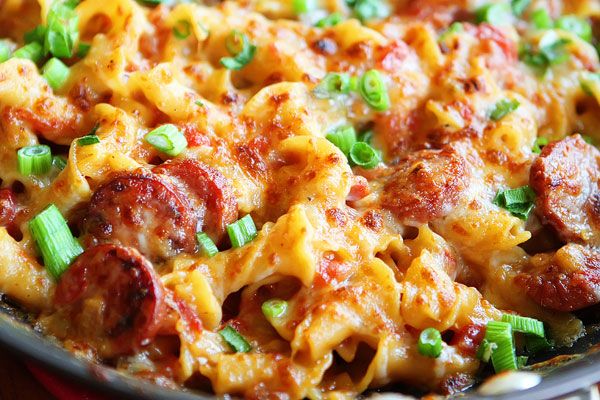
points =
(426, 185)
(566, 179)
(144, 211)
(209, 192)
(569, 280)
(119, 288)
(8, 208)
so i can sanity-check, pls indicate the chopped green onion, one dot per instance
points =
(363, 155)
(430, 343)
(54, 240)
(503, 108)
(549, 54)
(59, 162)
(242, 231)
(34, 160)
(519, 6)
(331, 20)
(37, 34)
(303, 6)
(236, 341)
(524, 324)
(455, 27)
(88, 140)
(56, 73)
(485, 350)
(240, 48)
(4, 51)
(366, 136)
(274, 308)
(343, 138)
(32, 51)
(207, 246)
(522, 361)
(366, 10)
(373, 91)
(538, 144)
(541, 19)
(494, 14)
(182, 29)
(61, 30)
(83, 49)
(168, 139)
(333, 84)
(199, 103)
(536, 344)
(503, 357)
(519, 202)
(575, 25)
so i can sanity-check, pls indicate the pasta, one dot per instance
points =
(281, 198)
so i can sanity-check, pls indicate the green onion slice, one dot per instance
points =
(54, 240)
(455, 27)
(541, 19)
(524, 324)
(303, 6)
(4, 51)
(59, 162)
(366, 10)
(537, 344)
(522, 361)
(333, 84)
(240, 48)
(366, 136)
(37, 34)
(32, 51)
(485, 350)
(503, 357)
(56, 73)
(519, 202)
(62, 30)
(430, 343)
(343, 137)
(182, 29)
(83, 49)
(373, 91)
(274, 308)
(494, 14)
(34, 160)
(242, 231)
(331, 20)
(168, 139)
(503, 108)
(236, 341)
(519, 6)
(538, 144)
(575, 25)
(88, 140)
(207, 246)
(363, 155)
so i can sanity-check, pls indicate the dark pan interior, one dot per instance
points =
(16, 335)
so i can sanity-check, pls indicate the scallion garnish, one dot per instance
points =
(236, 341)
(207, 246)
(61, 30)
(503, 357)
(455, 27)
(274, 308)
(538, 144)
(485, 350)
(343, 137)
(366, 136)
(182, 29)
(363, 155)
(430, 343)
(54, 240)
(56, 73)
(331, 20)
(503, 108)
(536, 344)
(59, 162)
(366, 10)
(519, 202)
(83, 49)
(372, 89)
(494, 14)
(550, 52)
(519, 6)
(575, 25)
(4, 51)
(522, 361)
(333, 84)
(168, 139)
(37, 34)
(303, 6)
(240, 48)
(242, 231)
(34, 160)
(32, 51)
(88, 140)
(527, 325)
(541, 19)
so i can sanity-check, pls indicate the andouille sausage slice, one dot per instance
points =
(144, 211)
(568, 280)
(566, 179)
(209, 192)
(8, 207)
(426, 185)
(114, 299)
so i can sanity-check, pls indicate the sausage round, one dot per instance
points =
(119, 289)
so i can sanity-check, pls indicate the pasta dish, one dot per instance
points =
(301, 198)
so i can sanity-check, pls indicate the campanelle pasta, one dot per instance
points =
(411, 168)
